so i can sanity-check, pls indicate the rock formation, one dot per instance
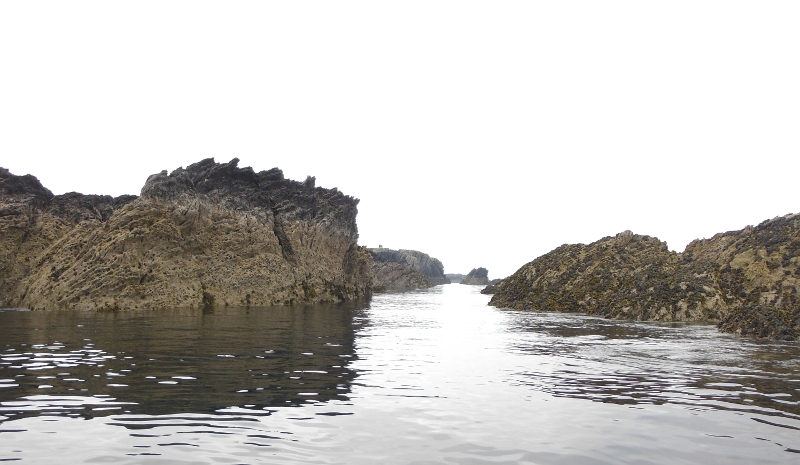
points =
(455, 277)
(746, 280)
(403, 270)
(210, 234)
(397, 276)
(492, 287)
(478, 276)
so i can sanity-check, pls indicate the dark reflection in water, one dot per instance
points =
(174, 361)
(629, 363)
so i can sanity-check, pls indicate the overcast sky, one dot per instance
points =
(482, 133)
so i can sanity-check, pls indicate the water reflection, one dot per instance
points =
(645, 363)
(175, 361)
(433, 376)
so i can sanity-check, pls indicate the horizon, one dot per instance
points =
(484, 135)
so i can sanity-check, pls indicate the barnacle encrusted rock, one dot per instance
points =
(746, 280)
(209, 234)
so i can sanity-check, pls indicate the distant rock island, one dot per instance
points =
(209, 234)
(455, 277)
(476, 277)
(746, 280)
(403, 270)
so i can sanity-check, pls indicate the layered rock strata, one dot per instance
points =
(476, 277)
(746, 280)
(403, 270)
(210, 234)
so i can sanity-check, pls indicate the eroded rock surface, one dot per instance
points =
(492, 286)
(210, 234)
(746, 280)
(476, 277)
(402, 270)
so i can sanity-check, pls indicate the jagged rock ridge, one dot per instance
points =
(476, 277)
(209, 234)
(746, 280)
(401, 270)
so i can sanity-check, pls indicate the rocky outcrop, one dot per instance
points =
(476, 277)
(492, 287)
(746, 280)
(389, 276)
(210, 234)
(757, 273)
(455, 277)
(403, 270)
(422, 262)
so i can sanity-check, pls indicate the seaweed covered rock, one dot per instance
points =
(476, 277)
(746, 280)
(209, 234)
(492, 287)
(628, 276)
(757, 272)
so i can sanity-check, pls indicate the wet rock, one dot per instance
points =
(209, 234)
(746, 280)
(492, 287)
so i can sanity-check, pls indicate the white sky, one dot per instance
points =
(482, 133)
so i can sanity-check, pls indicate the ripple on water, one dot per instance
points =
(426, 377)
(585, 359)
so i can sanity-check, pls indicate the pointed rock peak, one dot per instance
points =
(624, 238)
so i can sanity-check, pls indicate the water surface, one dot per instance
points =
(426, 377)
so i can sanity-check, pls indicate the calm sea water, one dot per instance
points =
(426, 377)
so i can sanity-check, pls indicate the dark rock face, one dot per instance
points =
(210, 234)
(746, 280)
(476, 277)
(402, 270)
